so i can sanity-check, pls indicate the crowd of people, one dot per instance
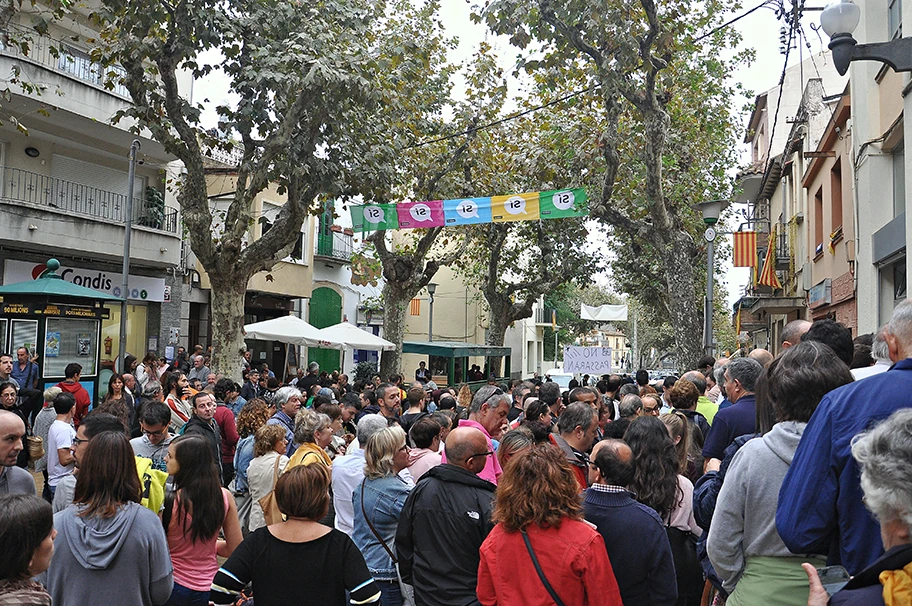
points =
(748, 480)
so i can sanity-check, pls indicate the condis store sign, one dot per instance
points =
(141, 288)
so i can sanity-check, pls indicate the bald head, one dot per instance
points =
(697, 378)
(793, 331)
(463, 445)
(761, 355)
(613, 460)
(11, 431)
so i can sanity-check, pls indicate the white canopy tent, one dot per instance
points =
(355, 338)
(290, 330)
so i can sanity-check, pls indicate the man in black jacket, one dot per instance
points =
(202, 423)
(445, 520)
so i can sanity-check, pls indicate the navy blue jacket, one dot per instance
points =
(820, 502)
(637, 545)
(737, 420)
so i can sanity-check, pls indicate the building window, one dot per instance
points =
(818, 222)
(836, 196)
(899, 180)
(894, 18)
(899, 282)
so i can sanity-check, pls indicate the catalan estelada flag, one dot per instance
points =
(745, 249)
(768, 275)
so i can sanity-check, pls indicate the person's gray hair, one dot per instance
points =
(697, 378)
(283, 394)
(151, 389)
(746, 371)
(489, 394)
(792, 331)
(879, 349)
(900, 324)
(629, 406)
(578, 414)
(719, 370)
(884, 455)
(313, 366)
(307, 423)
(369, 425)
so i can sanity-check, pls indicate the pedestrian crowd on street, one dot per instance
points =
(753, 479)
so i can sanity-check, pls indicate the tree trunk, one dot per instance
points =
(497, 328)
(227, 313)
(394, 303)
(686, 319)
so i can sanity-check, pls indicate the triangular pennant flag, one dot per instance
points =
(768, 275)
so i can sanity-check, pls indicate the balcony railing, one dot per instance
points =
(60, 56)
(543, 315)
(33, 188)
(335, 245)
(783, 255)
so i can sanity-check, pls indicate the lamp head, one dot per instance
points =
(839, 19)
(711, 210)
(431, 288)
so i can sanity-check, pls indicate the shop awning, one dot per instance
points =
(454, 349)
(778, 305)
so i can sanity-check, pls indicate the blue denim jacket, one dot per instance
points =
(242, 457)
(384, 499)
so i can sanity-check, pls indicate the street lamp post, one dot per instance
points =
(839, 19)
(128, 230)
(711, 211)
(431, 288)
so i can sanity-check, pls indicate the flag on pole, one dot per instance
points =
(553, 319)
(745, 249)
(768, 275)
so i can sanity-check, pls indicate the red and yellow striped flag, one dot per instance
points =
(415, 307)
(768, 275)
(745, 249)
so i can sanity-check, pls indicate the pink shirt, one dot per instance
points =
(195, 562)
(421, 460)
(492, 469)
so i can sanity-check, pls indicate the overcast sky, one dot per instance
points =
(759, 29)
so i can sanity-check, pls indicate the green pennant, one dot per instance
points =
(562, 203)
(374, 217)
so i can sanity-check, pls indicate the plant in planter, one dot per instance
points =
(153, 209)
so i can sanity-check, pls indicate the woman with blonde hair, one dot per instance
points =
(464, 397)
(377, 502)
(268, 463)
(541, 546)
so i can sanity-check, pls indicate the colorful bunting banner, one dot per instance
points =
(373, 217)
(518, 207)
(413, 215)
(531, 206)
(467, 211)
(559, 204)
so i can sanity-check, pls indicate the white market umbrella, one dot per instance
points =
(290, 330)
(355, 338)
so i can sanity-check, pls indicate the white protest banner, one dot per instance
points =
(587, 360)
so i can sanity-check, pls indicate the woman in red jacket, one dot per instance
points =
(540, 519)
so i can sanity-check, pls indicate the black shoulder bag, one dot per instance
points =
(541, 573)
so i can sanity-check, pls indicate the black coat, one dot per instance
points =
(445, 520)
(865, 587)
